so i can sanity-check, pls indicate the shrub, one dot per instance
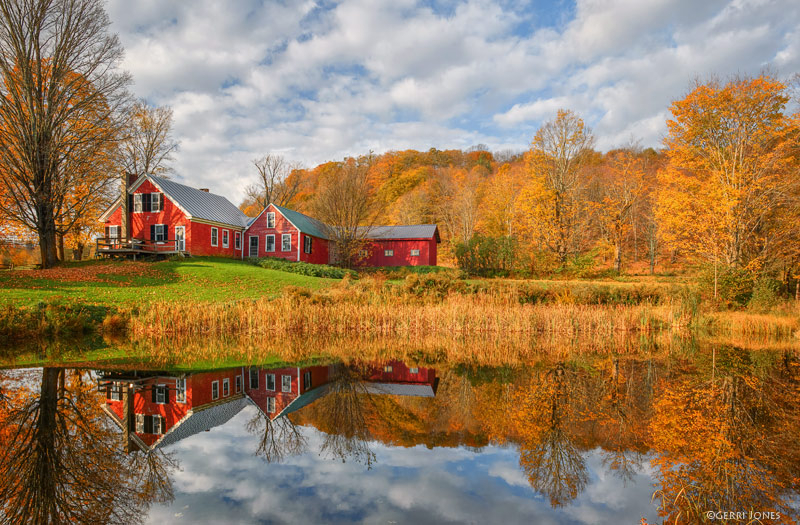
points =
(487, 256)
(734, 285)
(303, 268)
(437, 285)
(765, 294)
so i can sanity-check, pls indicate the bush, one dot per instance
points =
(734, 285)
(437, 285)
(765, 296)
(487, 256)
(303, 268)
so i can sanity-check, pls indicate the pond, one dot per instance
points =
(582, 438)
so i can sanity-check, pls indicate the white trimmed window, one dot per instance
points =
(160, 394)
(270, 243)
(224, 238)
(271, 382)
(237, 240)
(270, 405)
(159, 424)
(113, 232)
(214, 236)
(116, 392)
(286, 383)
(413, 370)
(138, 200)
(363, 254)
(307, 380)
(238, 382)
(215, 390)
(180, 390)
(307, 244)
(140, 423)
(253, 378)
(156, 202)
(286, 242)
(270, 219)
(414, 253)
(159, 232)
(387, 369)
(226, 387)
(388, 253)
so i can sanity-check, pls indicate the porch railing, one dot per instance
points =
(109, 244)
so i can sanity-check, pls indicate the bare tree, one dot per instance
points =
(344, 204)
(62, 98)
(275, 184)
(280, 437)
(148, 145)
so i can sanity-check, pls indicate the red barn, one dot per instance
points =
(401, 246)
(168, 217)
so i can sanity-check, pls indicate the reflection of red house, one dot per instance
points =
(165, 407)
(280, 391)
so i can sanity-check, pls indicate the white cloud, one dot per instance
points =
(317, 83)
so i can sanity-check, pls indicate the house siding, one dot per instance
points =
(402, 252)
(282, 226)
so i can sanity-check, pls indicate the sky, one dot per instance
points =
(316, 81)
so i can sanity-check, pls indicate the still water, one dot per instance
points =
(604, 439)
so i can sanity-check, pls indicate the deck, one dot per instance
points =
(110, 247)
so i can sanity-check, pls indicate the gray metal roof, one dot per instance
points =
(304, 223)
(415, 231)
(400, 389)
(201, 204)
(201, 420)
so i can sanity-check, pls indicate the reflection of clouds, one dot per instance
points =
(222, 481)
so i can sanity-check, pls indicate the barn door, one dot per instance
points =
(253, 246)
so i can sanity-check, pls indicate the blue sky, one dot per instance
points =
(317, 81)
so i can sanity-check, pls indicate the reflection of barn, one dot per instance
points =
(158, 409)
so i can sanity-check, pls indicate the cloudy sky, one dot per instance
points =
(321, 80)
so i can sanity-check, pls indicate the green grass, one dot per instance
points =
(125, 284)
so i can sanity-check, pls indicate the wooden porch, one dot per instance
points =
(111, 247)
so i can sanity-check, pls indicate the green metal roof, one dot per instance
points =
(304, 223)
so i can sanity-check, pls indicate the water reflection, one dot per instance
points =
(587, 439)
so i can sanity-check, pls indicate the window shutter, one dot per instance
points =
(152, 232)
(153, 394)
(130, 203)
(132, 422)
(166, 394)
(108, 392)
(145, 202)
(148, 424)
(163, 425)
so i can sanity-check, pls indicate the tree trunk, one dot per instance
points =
(46, 228)
(797, 290)
(60, 247)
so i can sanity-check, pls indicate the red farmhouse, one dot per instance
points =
(167, 217)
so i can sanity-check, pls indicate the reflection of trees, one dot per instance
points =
(342, 417)
(280, 437)
(727, 443)
(548, 455)
(61, 461)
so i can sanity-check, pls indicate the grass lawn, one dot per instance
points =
(128, 283)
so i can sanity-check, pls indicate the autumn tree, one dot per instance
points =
(148, 146)
(729, 170)
(344, 204)
(61, 104)
(551, 201)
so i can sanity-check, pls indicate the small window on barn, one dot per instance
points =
(214, 237)
(286, 383)
(224, 238)
(270, 405)
(286, 242)
(238, 384)
(156, 203)
(138, 200)
(363, 254)
(307, 244)
(414, 253)
(270, 243)
(226, 387)
(180, 390)
(387, 369)
(271, 382)
(270, 219)
(388, 253)
(215, 390)
(253, 378)
(237, 241)
(413, 370)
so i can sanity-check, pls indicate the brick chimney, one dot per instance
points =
(125, 233)
(204, 189)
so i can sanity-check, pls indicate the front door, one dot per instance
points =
(180, 238)
(253, 246)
